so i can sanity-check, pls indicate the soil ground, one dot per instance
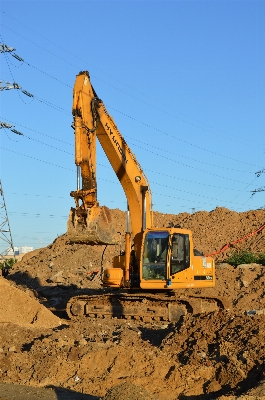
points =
(220, 355)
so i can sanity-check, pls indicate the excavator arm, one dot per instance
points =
(88, 222)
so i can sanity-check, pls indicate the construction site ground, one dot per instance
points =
(220, 355)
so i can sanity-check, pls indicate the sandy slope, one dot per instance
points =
(220, 355)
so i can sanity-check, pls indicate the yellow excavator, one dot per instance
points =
(157, 262)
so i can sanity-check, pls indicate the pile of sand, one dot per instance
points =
(19, 308)
(213, 356)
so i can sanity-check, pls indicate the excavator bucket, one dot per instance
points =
(93, 226)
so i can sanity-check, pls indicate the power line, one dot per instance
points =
(48, 51)
(50, 76)
(143, 123)
(185, 165)
(69, 153)
(36, 159)
(183, 120)
(186, 142)
(101, 179)
(50, 104)
(181, 140)
(181, 156)
(4, 125)
(37, 215)
(43, 134)
(229, 137)
(173, 160)
(185, 191)
(186, 180)
(188, 200)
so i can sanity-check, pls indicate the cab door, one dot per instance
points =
(180, 273)
(154, 266)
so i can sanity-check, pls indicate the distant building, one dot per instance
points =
(10, 252)
(18, 250)
(25, 249)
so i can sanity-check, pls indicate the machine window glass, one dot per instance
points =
(180, 253)
(155, 255)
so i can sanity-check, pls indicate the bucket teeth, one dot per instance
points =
(93, 226)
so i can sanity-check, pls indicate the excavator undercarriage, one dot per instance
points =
(146, 307)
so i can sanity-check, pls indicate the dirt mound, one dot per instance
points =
(64, 262)
(55, 271)
(212, 230)
(11, 391)
(200, 357)
(241, 289)
(220, 355)
(225, 350)
(127, 391)
(19, 308)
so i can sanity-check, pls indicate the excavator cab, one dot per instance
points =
(167, 261)
(165, 254)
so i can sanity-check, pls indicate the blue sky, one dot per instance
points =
(183, 80)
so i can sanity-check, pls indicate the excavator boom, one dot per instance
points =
(88, 222)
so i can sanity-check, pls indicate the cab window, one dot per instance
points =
(155, 255)
(180, 253)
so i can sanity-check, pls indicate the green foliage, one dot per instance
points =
(245, 257)
(261, 258)
(8, 263)
(242, 257)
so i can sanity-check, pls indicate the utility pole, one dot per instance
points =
(9, 126)
(4, 85)
(5, 49)
(5, 235)
(262, 189)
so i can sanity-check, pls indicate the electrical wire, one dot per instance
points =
(229, 137)
(101, 179)
(165, 133)
(36, 159)
(73, 170)
(157, 154)
(181, 156)
(196, 182)
(181, 140)
(185, 165)
(48, 103)
(36, 215)
(33, 130)
(61, 109)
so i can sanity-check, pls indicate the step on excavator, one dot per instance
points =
(144, 280)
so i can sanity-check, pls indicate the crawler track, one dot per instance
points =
(139, 306)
